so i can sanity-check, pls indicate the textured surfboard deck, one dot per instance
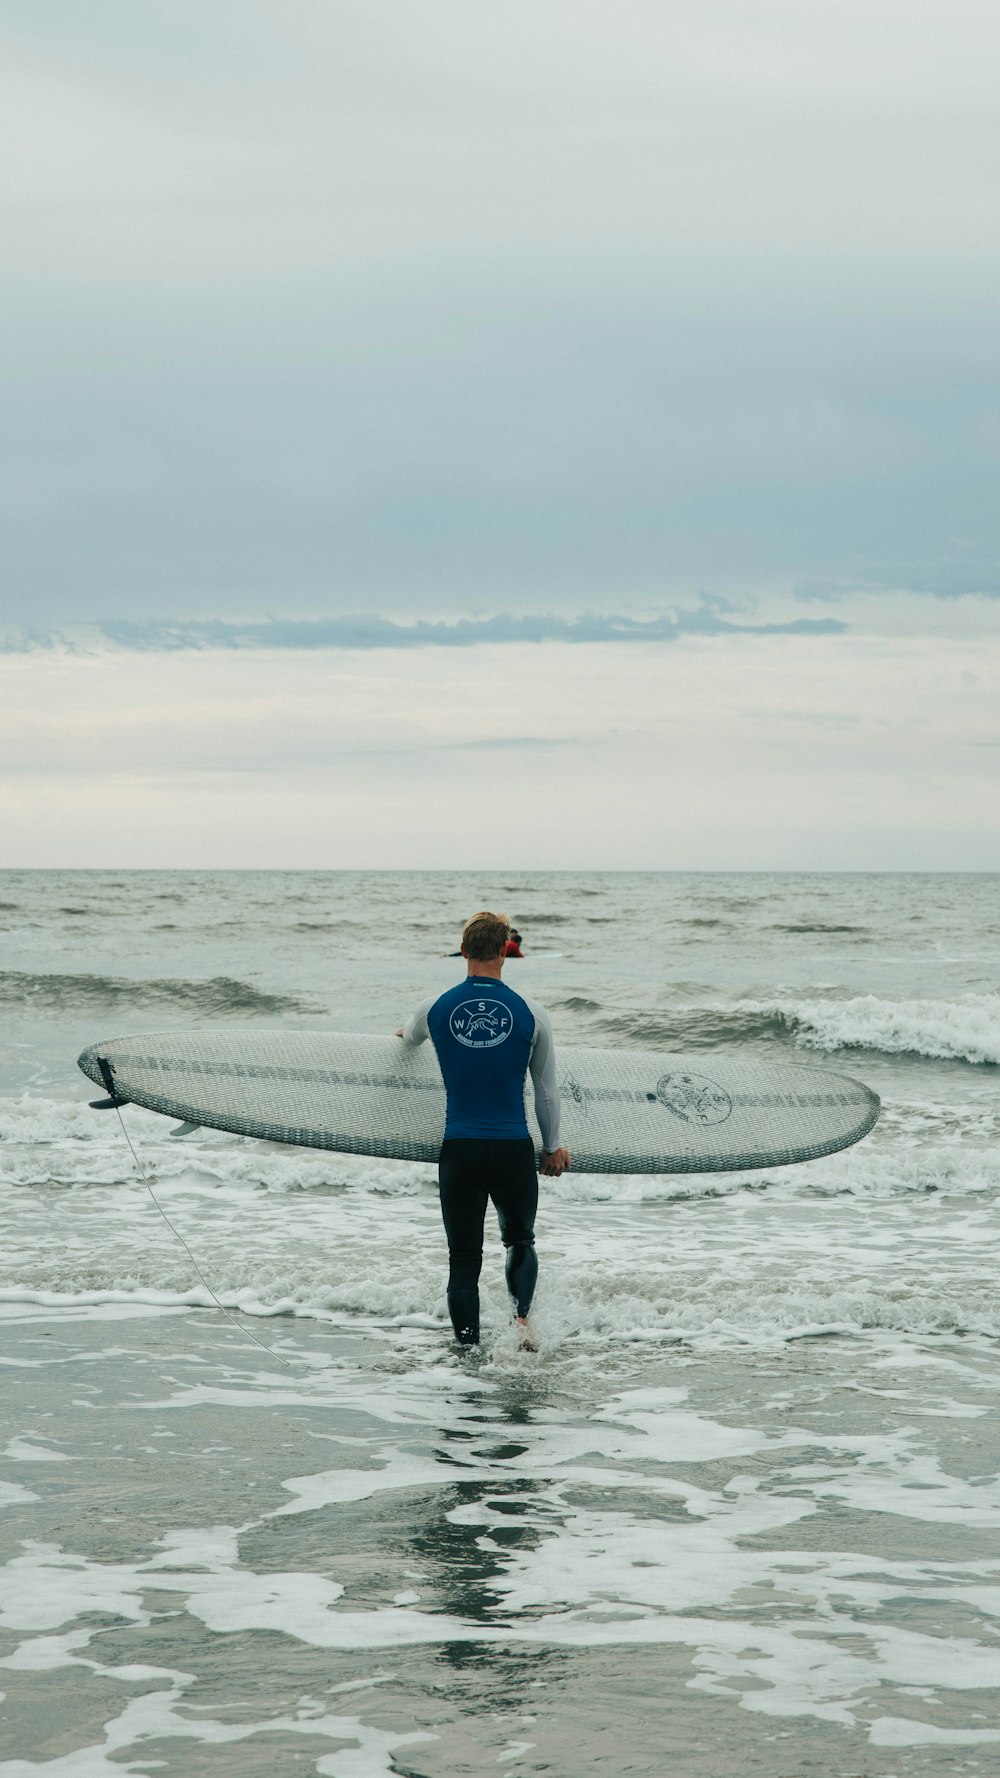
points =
(624, 1111)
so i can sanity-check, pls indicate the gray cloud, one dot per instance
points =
(164, 635)
(946, 580)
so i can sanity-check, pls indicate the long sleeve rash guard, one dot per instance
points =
(487, 1039)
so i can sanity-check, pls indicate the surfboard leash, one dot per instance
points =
(117, 1102)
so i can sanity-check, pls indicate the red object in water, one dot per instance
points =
(512, 948)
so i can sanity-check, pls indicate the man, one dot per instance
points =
(487, 1039)
(513, 945)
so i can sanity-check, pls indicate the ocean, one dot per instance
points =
(740, 1514)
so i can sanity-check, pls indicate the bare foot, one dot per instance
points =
(527, 1339)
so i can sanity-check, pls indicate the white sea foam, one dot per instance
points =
(155, 1715)
(23, 1450)
(53, 1144)
(770, 1626)
(776, 1256)
(903, 1731)
(12, 1494)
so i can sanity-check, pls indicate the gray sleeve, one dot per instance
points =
(544, 1079)
(415, 1029)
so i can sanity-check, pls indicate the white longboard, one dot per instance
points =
(624, 1111)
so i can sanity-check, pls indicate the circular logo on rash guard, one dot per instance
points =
(694, 1097)
(481, 1024)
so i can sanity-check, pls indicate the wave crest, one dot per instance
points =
(965, 1030)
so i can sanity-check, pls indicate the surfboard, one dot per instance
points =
(624, 1111)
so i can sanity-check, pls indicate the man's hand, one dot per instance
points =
(399, 1033)
(555, 1163)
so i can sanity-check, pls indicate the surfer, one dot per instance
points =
(488, 1039)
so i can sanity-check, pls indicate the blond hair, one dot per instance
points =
(485, 936)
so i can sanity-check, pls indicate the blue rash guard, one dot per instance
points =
(487, 1039)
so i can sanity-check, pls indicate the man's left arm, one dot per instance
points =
(548, 1107)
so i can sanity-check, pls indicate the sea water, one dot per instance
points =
(740, 1513)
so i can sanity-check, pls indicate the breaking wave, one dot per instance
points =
(966, 1030)
(218, 998)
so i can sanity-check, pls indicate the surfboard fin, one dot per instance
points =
(184, 1129)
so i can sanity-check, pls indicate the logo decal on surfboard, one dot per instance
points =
(694, 1098)
(481, 1024)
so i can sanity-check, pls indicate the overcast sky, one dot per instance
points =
(598, 401)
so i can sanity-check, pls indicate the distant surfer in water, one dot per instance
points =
(488, 1039)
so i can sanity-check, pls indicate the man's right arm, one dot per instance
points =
(416, 1029)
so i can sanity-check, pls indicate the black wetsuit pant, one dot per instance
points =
(471, 1171)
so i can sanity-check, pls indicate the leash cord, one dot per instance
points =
(245, 1331)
